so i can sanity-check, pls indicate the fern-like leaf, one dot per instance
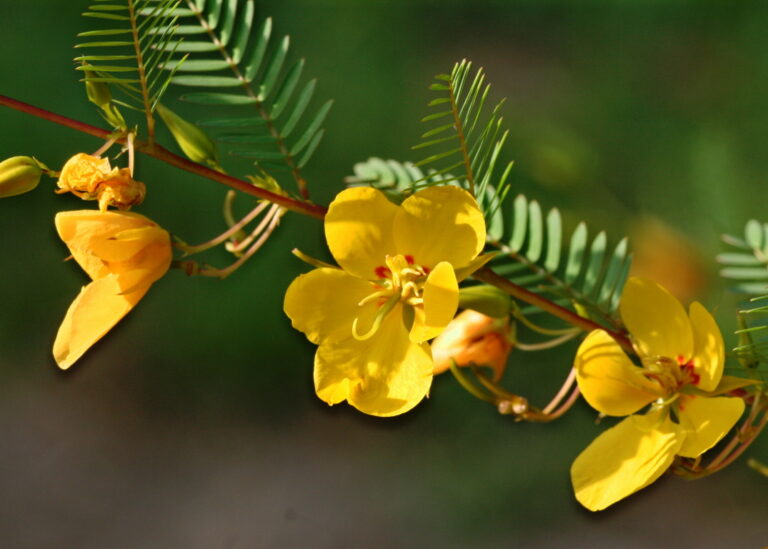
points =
(583, 272)
(129, 53)
(235, 64)
(466, 137)
(745, 266)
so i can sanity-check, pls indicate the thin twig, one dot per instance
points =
(161, 153)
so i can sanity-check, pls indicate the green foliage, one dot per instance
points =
(129, 53)
(745, 266)
(399, 180)
(466, 137)
(235, 64)
(587, 274)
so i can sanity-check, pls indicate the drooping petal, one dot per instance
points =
(440, 224)
(609, 381)
(625, 459)
(92, 314)
(385, 375)
(708, 348)
(706, 421)
(91, 237)
(358, 228)
(324, 303)
(656, 320)
(441, 299)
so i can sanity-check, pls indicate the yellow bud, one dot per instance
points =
(193, 141)
(19, 175)
(473, 338)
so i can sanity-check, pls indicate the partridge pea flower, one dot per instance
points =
(681, 365)
(396, 289)
(123, 253)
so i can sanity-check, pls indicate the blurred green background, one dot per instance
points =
(194, 424)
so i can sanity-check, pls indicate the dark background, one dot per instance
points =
(194, 423)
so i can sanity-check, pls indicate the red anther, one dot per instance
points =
(681, 360)
(426, 269)
(409, 259)
(382, 272)
(688, 369)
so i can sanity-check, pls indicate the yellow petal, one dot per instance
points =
(358, 228)
(92, 314)
(706, 421)
(323, 304)
(608, 379)
(624, 459)
(656, 320)
(384, 376)
(440, 224)
(708, 348)
(94, 237)
(441, 299)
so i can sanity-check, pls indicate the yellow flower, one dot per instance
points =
(396, 289)
(92, 178)
(473, 338)
(123, 253)
(682, 361)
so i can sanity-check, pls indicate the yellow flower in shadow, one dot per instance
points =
(123, 253)
(396, 289)
(681, 366)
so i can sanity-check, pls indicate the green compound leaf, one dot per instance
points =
(242, 66)
(467, 138)
(586, 273)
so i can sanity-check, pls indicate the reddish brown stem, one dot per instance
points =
(487, 275)
(168, 157)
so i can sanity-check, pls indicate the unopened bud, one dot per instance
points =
(18, 175)
(473, 338)
(98, 92)
(193, 141)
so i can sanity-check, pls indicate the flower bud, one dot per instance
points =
(473, 338)
(98, 92)
(19, 175)
(194, 142)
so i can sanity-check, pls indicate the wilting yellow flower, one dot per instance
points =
(473, 338)
(123, 253)
(92, 178)
(682, 361)
(396, 289)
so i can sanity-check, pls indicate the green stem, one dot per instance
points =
(161, 153)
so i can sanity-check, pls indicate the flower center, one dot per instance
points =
(672, 374)
(398, 280)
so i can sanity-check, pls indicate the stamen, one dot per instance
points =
(374, 296)
(409, 259)
(382, 272)
(380, 316)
